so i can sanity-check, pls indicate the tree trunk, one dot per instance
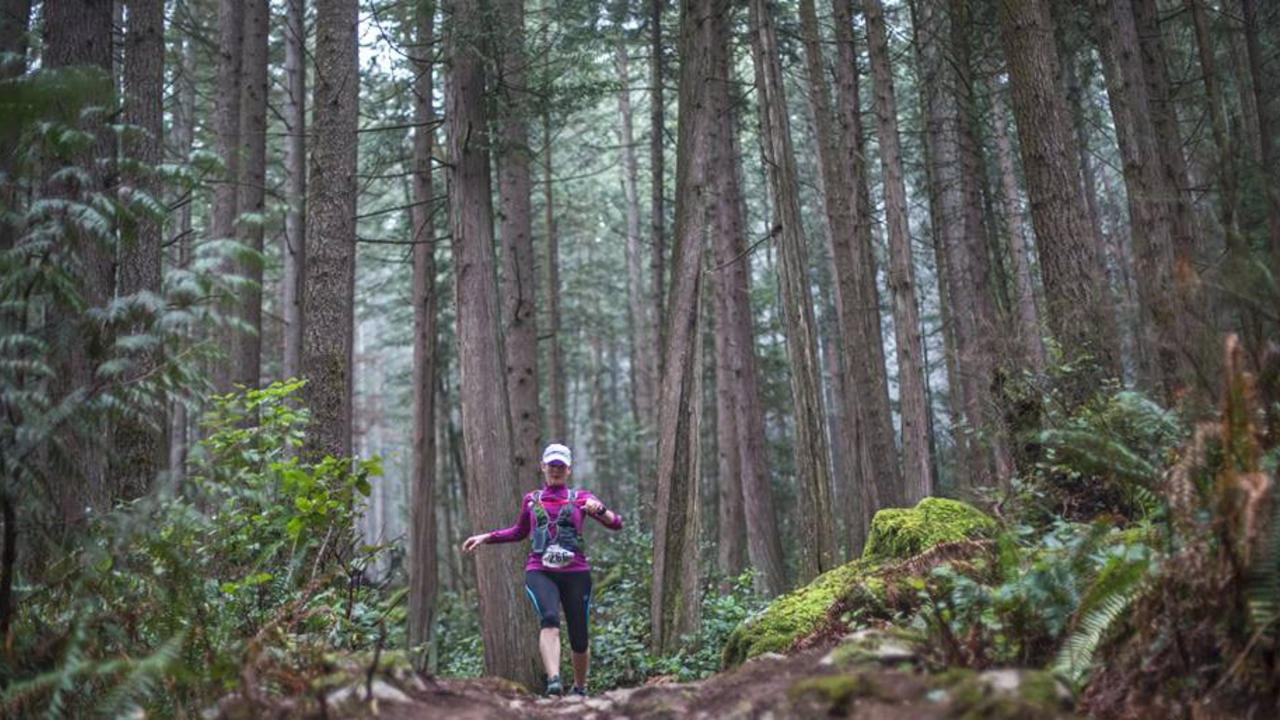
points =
(917, 468)
(328, 300)
(15, 20)
(812, 455)
(559, 415)
(515, 188)
(837, 182)
(856, 278)
(78, 33)
(674, 600)
(228, 79)
(729, 277)
(1078, 306)
(140, 445)
(657, 214)
(1193, 350)
(987, 347)
(423, 582)
(295, 163)
(733, 273)
(643, 343)
(1266, 126)
(1149, 196)
(184, 129)
(1226, 169)
(509, 649)
(247, 344)
(1027, 316)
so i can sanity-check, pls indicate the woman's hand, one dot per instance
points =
(593, 506)
(475, 541)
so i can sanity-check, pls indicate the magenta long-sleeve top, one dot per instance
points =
(553, 498)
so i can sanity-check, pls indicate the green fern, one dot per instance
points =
(1262, 584)
(1116, 588)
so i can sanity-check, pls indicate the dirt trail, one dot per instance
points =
(805, 685)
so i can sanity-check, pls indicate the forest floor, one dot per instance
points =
(811, 683)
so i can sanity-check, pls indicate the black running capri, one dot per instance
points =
(550, 591)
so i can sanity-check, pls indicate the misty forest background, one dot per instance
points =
(293, 293)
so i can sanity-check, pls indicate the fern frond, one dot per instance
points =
(1262, 585)
(1117, 586)
(139, 682)
(1103, 453)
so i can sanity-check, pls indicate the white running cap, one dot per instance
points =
(556, 452)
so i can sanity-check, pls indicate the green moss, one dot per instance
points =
(837, 691)
(1037, 696)
(794, 615)
(900, 533)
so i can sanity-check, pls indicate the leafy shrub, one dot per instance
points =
(245, 576)
(1016, 606)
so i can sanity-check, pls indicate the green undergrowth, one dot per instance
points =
(248, 569)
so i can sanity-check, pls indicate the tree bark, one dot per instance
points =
(78, 33)
(226, 144)
(1226, 168)
(644, 346)
(812, 454)
(328, 300)
(838, 196)
(251, 204)
(674, 600)
(1266, 126)
(1026, 313)
(733, 274)
(295, 163)
(140, 445)
(423, 579)
(1078, 306)
(509, 649)
(559, 415)
(994, 442)
(515, 188)
(1149, 195)
(732, 306)
(856, 278)
(183, 138)
(657, 213)
(917, 467)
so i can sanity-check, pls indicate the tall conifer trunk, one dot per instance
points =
(228, 79)
(515, 188)
(509, 648)
(674, 608)
(812, 454)
(328, 300)
(423, 580)
(247, 344)
(139, 445)
(295, 163)
(917, 481)
(644, 344)
(877, 457)
(1078, 307)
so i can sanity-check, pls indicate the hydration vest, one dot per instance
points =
(566, 534)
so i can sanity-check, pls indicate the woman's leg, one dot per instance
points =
(545, 595)
(575, 596)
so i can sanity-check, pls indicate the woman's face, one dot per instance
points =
(556, 472)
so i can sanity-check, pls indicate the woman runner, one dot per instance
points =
(557, 574)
